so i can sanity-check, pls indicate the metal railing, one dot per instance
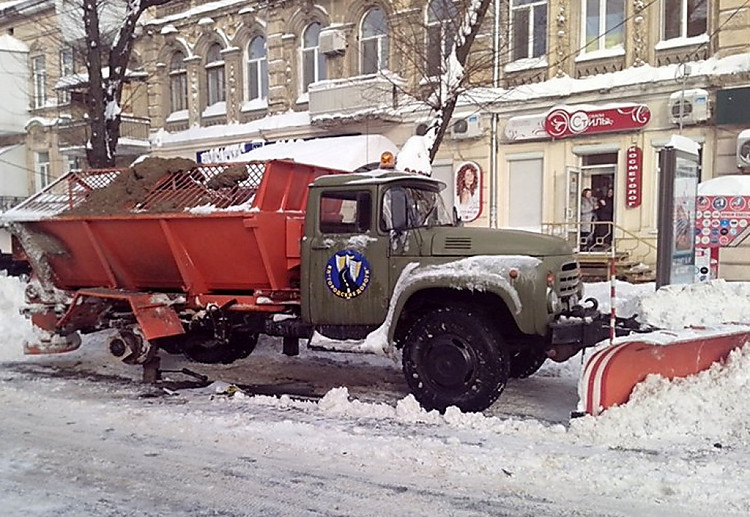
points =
(75, 133)
(603, 237)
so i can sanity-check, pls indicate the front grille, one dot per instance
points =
(568, 279)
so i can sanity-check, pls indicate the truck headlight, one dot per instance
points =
(554, 305)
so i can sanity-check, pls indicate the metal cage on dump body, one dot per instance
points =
(216, 234)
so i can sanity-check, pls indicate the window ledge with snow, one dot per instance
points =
(218, 108)
(681, 42)
(528, 63)
(254, 105)
(616, 51)
(178, 116)
(304, 98)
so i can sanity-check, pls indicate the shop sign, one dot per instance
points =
(568, 121)
(634, 176)
(526, 127)
(226, 153)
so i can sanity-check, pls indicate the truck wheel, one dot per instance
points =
(452, 357)
(525, 363)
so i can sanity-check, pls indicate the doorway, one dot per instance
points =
(598, 173)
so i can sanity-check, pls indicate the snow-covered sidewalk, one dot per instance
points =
(84, 443)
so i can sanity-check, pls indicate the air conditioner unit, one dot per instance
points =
(332, 41)
(743, 149)
(468, 127)
(690, 106)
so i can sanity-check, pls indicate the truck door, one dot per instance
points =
(348, 264)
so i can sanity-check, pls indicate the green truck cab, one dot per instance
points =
(385, 261)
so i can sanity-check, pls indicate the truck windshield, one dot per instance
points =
(413, 207)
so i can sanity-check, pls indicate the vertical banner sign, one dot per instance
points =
(468, 199)
(678, 189)
(634, 178)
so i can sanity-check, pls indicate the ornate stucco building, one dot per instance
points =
(573, 93)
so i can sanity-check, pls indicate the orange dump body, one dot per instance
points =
(231, 241)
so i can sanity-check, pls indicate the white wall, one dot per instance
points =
(13, 174)
(14, 78)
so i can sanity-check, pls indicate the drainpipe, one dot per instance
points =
(494, 147)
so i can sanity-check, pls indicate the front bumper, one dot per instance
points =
(580, 327)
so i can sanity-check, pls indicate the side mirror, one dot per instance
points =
(457, 218)
(399, 212)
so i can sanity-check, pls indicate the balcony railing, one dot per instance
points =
(133, 130)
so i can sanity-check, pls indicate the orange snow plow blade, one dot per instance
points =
(610, 374)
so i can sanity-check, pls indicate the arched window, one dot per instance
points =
(257, 69)
(442, 17)
(313, 62)
(215, 74)
(373, 42)
(178, 82)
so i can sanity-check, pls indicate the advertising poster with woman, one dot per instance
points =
(468, 191)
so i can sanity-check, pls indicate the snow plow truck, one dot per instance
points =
(202, 259)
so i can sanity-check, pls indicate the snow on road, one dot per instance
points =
(81, 438)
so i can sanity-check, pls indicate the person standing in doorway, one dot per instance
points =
(588, 206)
(605, 214)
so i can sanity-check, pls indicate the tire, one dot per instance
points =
(525, 363)
(452, 357)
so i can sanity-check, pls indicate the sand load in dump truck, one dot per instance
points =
(201, 259)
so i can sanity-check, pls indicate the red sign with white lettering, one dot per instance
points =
(633, 176)
(569, 121)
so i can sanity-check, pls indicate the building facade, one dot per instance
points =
(564, 95)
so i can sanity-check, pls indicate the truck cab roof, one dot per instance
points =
(374, 177)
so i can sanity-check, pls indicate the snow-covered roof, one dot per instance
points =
(286, 121)
(10, 44)
(347, 153)
(733, 185)
(195, 11)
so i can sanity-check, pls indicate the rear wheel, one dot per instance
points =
(452, 357)
(526, 362)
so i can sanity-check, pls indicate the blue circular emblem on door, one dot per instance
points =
(347, 274)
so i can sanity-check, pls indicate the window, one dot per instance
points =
(345, 212)
(313, 62)
(257, 69)
(525, 187)
(440, 34)
(73, 163)
(67, 68)
(605, 24)
(528, 28)
(178, 82)
(406, 208)
(39, 71)
(374, 42)
(684, 18)
(215, 75)
(42, 170)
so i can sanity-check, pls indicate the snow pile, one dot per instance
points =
(695, 305)
(14, 328)
(706, 409)
(627, 296)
